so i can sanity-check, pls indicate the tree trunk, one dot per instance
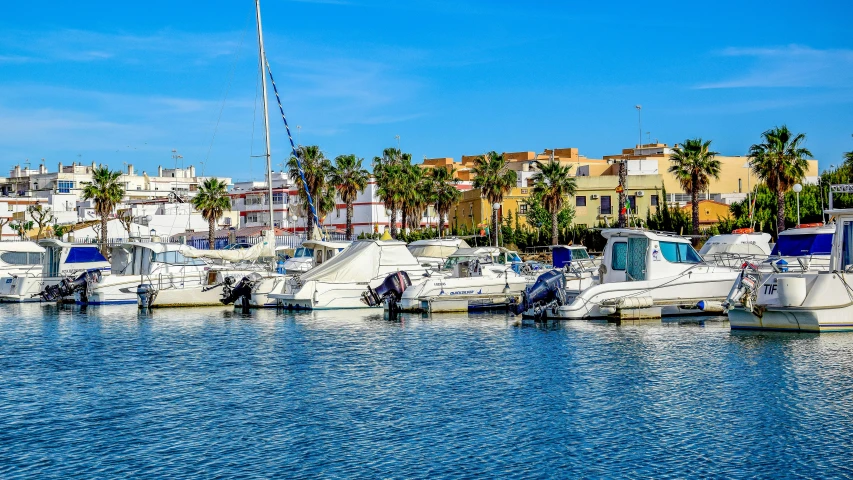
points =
(309, 228)
(211, 233)
(440, 223)
(623, 172)
(495, 225)
(104, 249)
(394, 221)
(694, 198)
(780, 216)
(349, 220)
(403, 218)
(555, 235)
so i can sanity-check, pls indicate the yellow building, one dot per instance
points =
(710, 212)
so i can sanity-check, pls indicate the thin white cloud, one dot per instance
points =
(789, 66)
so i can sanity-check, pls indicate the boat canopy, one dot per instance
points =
(744, 243)
(805, 243)
(264, 248)
(364, 261)
(436, 248)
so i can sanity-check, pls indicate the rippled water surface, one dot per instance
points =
(109, 392)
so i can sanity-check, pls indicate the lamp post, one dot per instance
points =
(797, 189)
(495, 207)
(153, 233)
(388, 214)
(293, 219)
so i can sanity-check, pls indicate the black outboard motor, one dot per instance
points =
(391, 290)
(66, 287)
(241, 291)
(548, 289)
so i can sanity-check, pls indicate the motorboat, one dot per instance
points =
(580, 270)
(806, 246)
(642, 274)
(161, 265)
(733, 249)
(60, 260)
(435, 251)
(806, 300)
(471, 279)
(310, 254)
(340, 282)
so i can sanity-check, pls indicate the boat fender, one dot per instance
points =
(711, 306)
(607, 310)
(635, 302)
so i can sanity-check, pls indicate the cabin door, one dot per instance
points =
(637, 248)
(53, 256)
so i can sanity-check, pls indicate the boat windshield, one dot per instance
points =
(679, 252)
(578, 253)
(303, 252)
(808, 244)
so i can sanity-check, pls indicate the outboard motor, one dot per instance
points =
(548, 289)
(391, 290)
(241, 291)
(145, 295)
(67, 286)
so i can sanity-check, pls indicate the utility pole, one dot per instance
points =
(623, 176)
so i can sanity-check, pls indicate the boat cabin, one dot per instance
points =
(635, 255)
(805, 240)
(312, 253)
(564, 255)
(62, 258)
(146, 258)
(462, 262)
(19, 258)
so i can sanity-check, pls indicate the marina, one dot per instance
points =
(117, 391)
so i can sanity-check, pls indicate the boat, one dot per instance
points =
(643, 274)
(60, 260)
(435, 251)
(161, 265)
(804, 300)
(340, 282)
(806, 246)
(471, 279)
(732, 249)
(310, 254)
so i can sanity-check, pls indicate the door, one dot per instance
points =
(637, 249)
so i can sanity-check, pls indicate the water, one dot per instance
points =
(111, 392)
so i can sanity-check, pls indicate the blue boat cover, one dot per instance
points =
(562, 256)
(84, 255)
(811, 244)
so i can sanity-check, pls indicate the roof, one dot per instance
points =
(21, 246)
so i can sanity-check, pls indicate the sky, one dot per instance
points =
(128, 82)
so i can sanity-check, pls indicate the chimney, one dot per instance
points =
(129, 169)
(192, 170)
(159, 171)
(42, 168)
(16, 172)
(93, 166)
(60, 167)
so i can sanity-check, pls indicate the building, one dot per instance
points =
(710, 212)
(736, 178)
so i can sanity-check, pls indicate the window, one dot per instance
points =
(278, 197)
(64, 186)
(580, 201)
(654, 200)
(21, 258)
(632, 199)
(619, 257)
(254, 200)
(606, 208)
(739, 185)
(176, 258)
(846, 244)
(522, 209)
(679, 253)
(252, 218)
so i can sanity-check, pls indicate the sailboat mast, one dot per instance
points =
(262, 60)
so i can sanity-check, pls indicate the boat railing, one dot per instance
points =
(801, 263)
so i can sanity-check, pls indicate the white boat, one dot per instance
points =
(435, 251)
(340, 282)
(61, 260)
(808, 300)
(310, 254)
(19, 259)
(161, 265)
(732, 249)
(471, 279)
(580, 270)
(642, 275)
(806, 246)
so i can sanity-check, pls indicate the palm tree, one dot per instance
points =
(350, 179)
(445, 195)
(106, 192)
(553, 182)
(494, 179)
(315, 167)
(780, 161)
(212, 201)
(389, 171)
(692, 163)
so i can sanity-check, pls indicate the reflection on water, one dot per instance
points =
(114, 391)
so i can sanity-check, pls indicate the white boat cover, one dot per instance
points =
(21, 246)
(264, 248)
(743, 243)
(364, 261)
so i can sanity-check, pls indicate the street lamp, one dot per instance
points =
(153, 233)
(797, 189)
(293, 219)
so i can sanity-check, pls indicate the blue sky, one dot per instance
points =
(120, 82)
